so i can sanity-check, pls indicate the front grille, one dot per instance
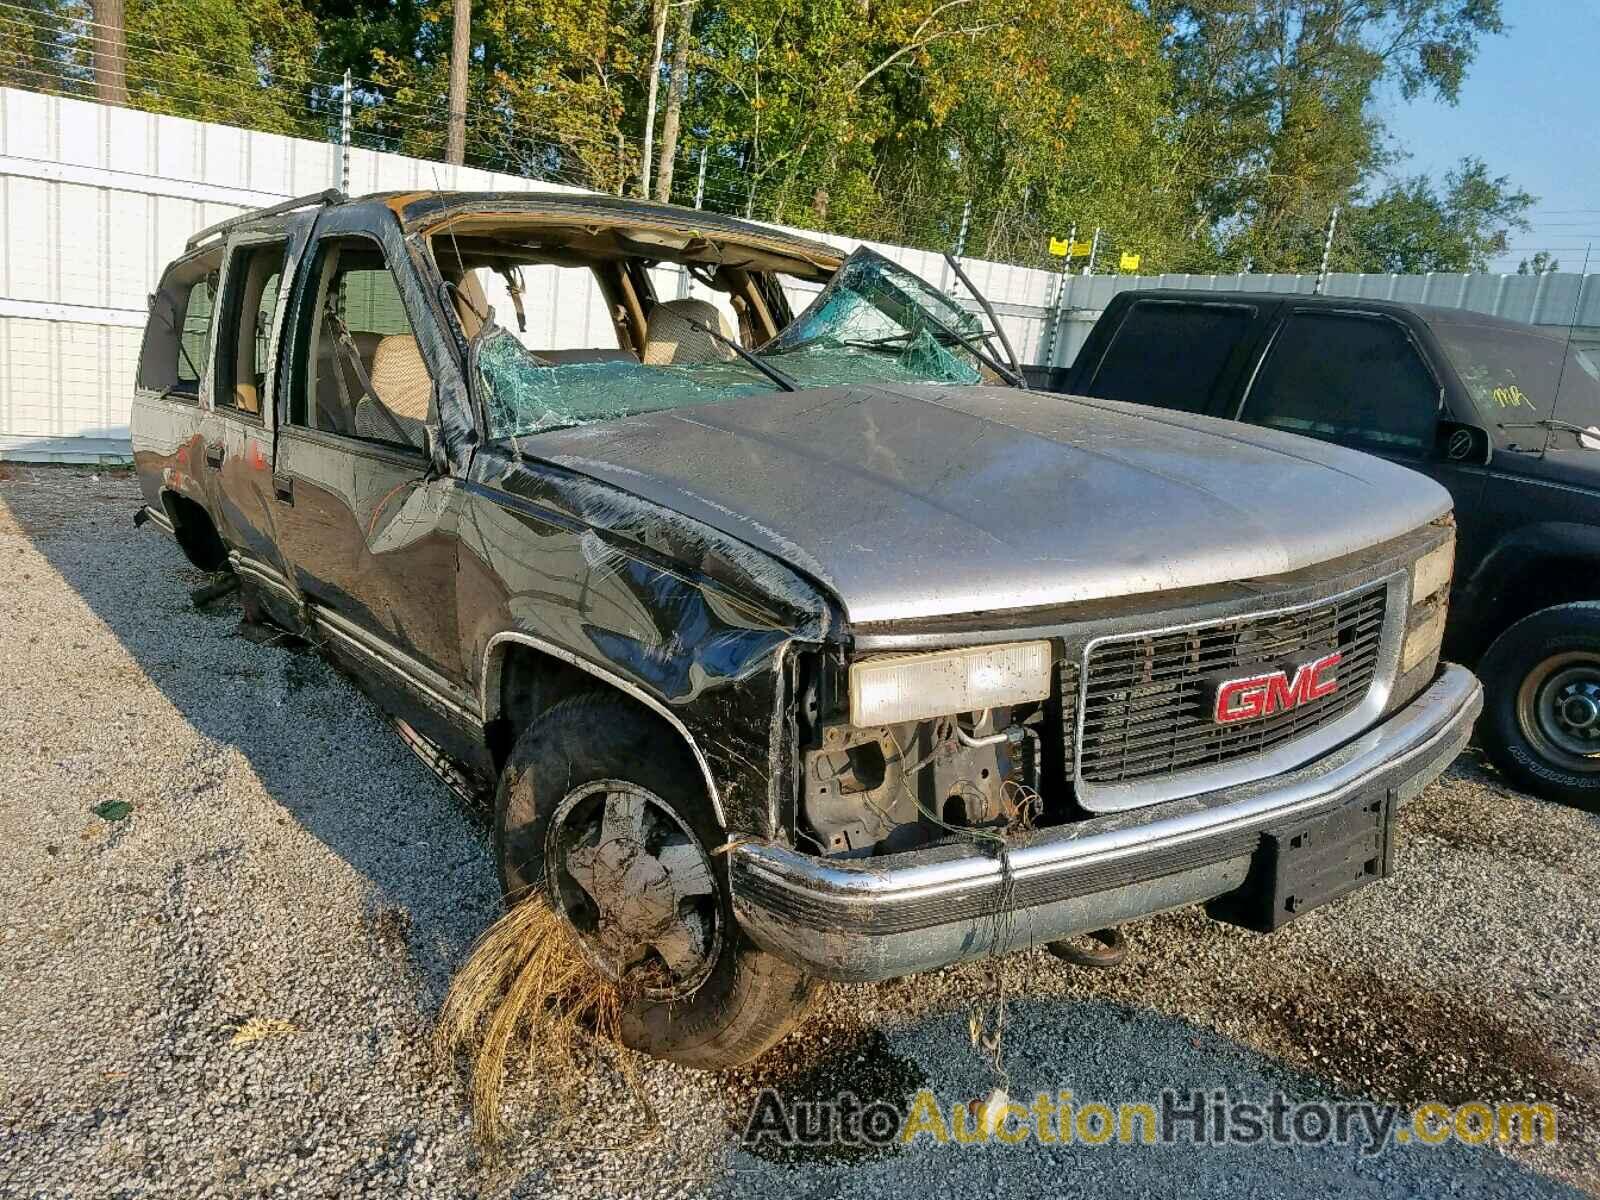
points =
(1146, 701)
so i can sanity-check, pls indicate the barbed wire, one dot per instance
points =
(163, 74)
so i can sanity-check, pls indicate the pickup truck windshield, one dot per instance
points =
(1513, 376)
(873, 322)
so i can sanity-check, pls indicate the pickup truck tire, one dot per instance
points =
(746, 1000)
(1542, 703)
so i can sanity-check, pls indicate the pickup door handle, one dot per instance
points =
(215, 453)
(283, 488)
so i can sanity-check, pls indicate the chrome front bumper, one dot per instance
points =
(869, 919)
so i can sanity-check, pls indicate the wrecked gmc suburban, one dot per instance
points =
(792, 647)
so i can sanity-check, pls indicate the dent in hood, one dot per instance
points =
(915, 502)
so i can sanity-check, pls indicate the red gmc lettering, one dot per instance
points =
(1262, 695)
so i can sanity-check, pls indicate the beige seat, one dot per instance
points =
(400, 379)
(332, 413)
(671, 340)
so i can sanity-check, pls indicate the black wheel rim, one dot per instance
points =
(637, 886)
(1558, 710)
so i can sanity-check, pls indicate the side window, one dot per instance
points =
(559, 313)
(358, 370)
(1346, 378)
(244, 337)
(1170, 354)
(177, 339)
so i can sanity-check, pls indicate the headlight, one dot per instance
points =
(1430, 601)
(1425, 634)
(915, 687)
(1431, 573)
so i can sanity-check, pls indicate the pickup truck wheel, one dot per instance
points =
(609, 820)
(1541, 719)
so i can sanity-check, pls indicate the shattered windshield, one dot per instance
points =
(888, 315)
(873, 323)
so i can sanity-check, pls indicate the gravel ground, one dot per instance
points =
(229, 990)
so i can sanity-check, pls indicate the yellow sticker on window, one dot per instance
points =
(1512, 397)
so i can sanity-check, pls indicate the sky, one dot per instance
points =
(1530, 108)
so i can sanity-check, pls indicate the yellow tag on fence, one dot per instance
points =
(1059, 246)
(1130, 262)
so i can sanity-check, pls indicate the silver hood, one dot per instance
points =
(923, 501)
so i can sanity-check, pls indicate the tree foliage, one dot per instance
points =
(1199, 134)
(1413, 226)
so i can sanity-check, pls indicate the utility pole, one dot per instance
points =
(1327, 249)
(455, 150)
(344, 135)
(109, 39)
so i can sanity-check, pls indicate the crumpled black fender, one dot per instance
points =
(694, 624)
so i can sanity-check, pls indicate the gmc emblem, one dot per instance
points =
(1262, 695)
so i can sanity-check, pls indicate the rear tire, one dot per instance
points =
(1541, 716)
(745, 1000)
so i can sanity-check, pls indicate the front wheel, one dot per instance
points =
(604, 815)
(1541, 718)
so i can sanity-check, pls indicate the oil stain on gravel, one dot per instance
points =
(820, 1064)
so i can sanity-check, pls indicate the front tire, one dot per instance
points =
(1541, 718)
(605, 814)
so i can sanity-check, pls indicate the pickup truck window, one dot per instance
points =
(1170, 354)
(1513, 377)
(177, 338)
(358, 369)
(1347, 378)
(245, 333)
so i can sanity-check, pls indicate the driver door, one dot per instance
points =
(366, 522)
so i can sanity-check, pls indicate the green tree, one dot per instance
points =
(1542, 263)
(1275, 100)
(1413, 226)
(43, 47)
(239, 62)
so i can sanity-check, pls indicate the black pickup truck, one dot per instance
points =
(1503, 414)
(791, 645)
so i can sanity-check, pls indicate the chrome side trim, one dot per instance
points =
(262, 573)
(1153, 789)
(425, 680)
(489, 698)
(899, 914)
(160, 520)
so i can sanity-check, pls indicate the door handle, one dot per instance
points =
(215, 453)
(283, 488)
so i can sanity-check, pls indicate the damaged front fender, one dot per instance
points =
(691, 623)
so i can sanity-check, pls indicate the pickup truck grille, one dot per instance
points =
(1146, 700)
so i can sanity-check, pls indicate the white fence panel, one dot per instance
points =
(95, 201)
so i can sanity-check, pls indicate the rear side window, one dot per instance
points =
(244, 335)
(177, 338)
(1346, 378)
(1170, 355)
